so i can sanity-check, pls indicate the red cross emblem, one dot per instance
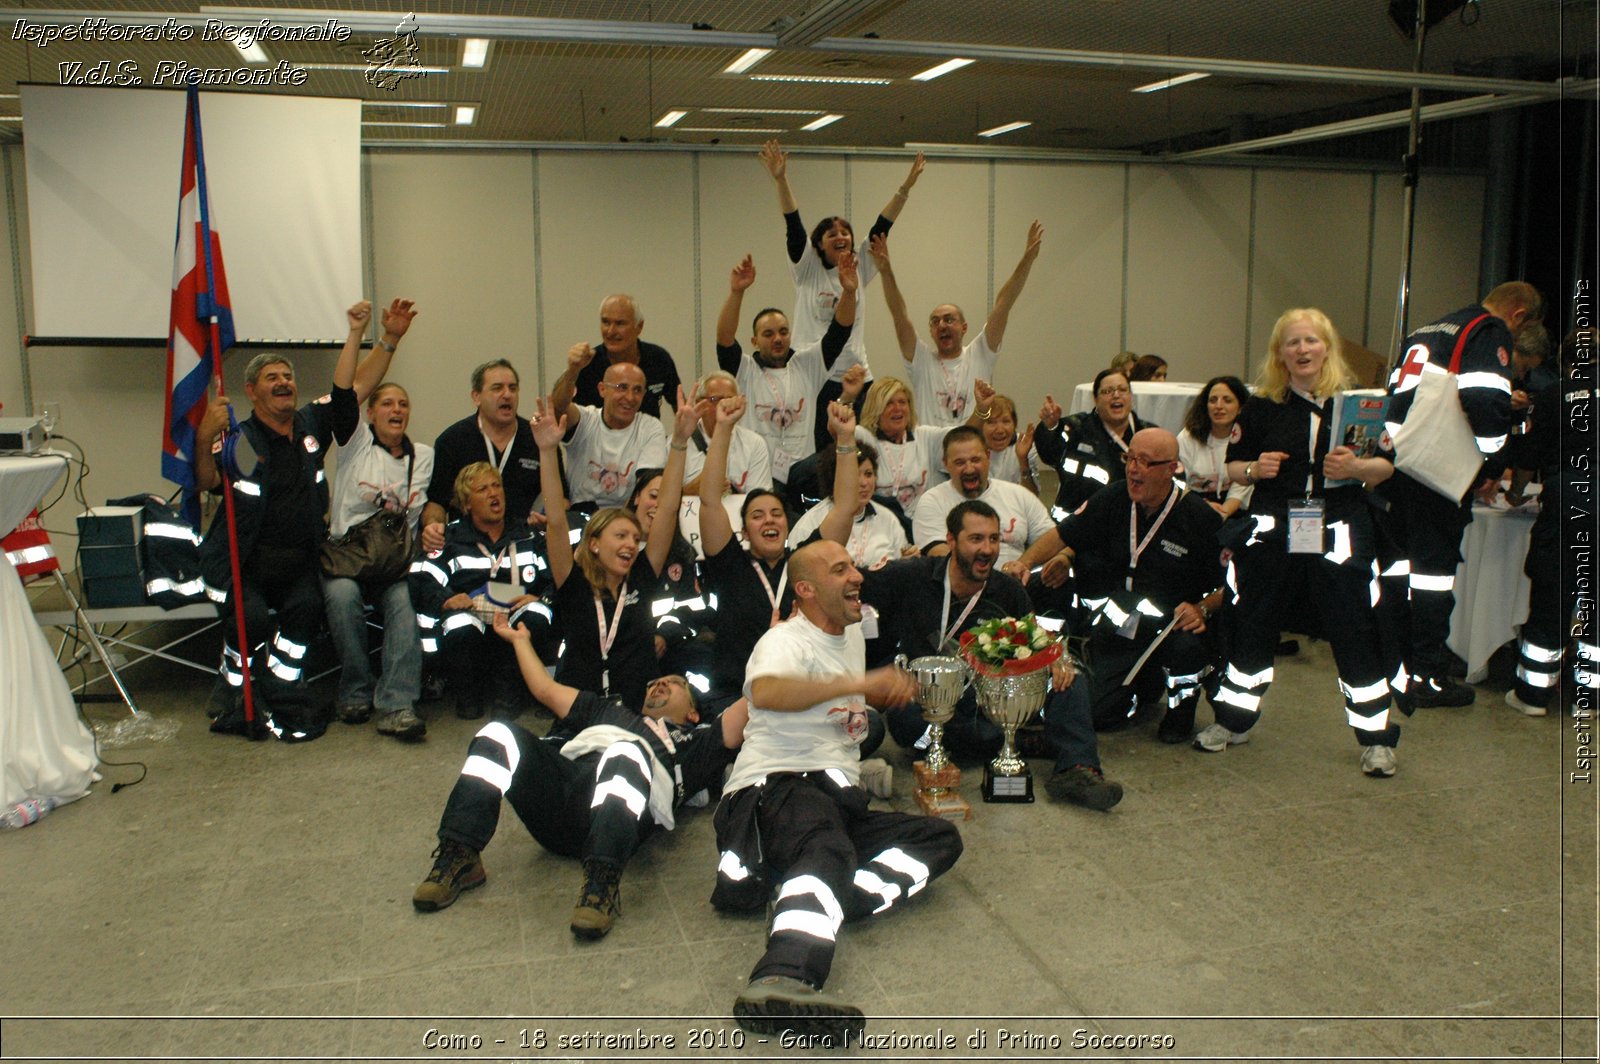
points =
(1411, 369)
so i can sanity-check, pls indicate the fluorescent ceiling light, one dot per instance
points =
(466, 114)
(474, 51)
(728, 129)
(749, 59)
(409, 125)
(671, 118)
(384, 104)
(1007, 128)
(1157, 86)
(825, 120)
(253, 54)
(943, 68)
(821, 79)
(761, 110)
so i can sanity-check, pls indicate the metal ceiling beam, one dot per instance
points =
(1242, 68)
(825, 18)
(1474, 105)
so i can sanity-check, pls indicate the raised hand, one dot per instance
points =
(358, 315)
(743, 276)
(849, 274)
(878, 248)
(842, 423)
(775, 159)
(1050, 413)
(547, 430)
(578, 356)
(916, 171)
(397, 316)
(1035, 239)
(982, 391)
(1024, 445)
(686, 416)
(730, 410)
(850, 385)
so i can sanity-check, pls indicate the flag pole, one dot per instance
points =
(214, 339)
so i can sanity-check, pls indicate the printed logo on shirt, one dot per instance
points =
(675, 572)
(655, 389)
(1177, 550)
(780, 416)
(608, 479)
(311, 445)
(530, 464)
(528, 573)
(954, 403)
(1235, 434)
(1008, 533)
(906, 493)
(1086, 448)
(1410, 371)
(852, 717)
(1505, 359)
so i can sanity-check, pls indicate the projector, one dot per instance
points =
(23, 435)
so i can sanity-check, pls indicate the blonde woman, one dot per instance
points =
(909, 454)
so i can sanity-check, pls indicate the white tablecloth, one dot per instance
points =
(45, 749)
(1491, 592)
(1161, 403)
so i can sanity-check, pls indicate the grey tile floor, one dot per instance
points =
(252, 901)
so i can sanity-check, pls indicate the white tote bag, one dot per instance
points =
(1436, 445)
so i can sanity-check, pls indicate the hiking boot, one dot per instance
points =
(1377, 761)
(223, 698)
(1178, 725)
(1085, 786)
(1217, 738)
(1527, 709)
(877, 777)
(354, 712)
(455, 868)
(601, 901)
(774, 1004)
(402, 724)
(1433, 694)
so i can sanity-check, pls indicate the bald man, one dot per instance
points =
(605, 447)
(1146, 556)
(793, 808)
(620, 326)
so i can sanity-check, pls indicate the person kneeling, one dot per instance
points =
(601, 785)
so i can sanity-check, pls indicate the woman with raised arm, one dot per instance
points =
(603, 612)
(814, 261)
(1087, 448)
(750, 580)
(1012, 457)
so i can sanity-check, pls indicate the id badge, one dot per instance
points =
(503, 593)
(1305, 526)
(869, 622)
(781, 461)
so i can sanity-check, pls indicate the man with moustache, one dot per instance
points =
(1023, 518)
(495, 434)
(1147, 556)
(794, 813)
(605, 446)
(924, 604)
(620, 326)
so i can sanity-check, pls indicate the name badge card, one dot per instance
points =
(1305, 526)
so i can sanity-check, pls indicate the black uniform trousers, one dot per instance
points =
(1271, 585)
(1549, 635)
(289, 584)
(1172, 677)
(585, 808)
(1419, 554)
(833, 859)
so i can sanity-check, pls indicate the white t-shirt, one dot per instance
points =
(943, 387)
(875, 536)
(1023, 517)
(1205, 465)
(817, 292)
(601, 461)
(749, 465)
(822, 737)
(783, 404)
(1003, 465)
(368, 478)
(906, 470)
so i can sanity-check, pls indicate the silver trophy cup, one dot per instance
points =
(1010, 702)
(940, 683)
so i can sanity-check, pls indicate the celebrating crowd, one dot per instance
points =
(706, 586)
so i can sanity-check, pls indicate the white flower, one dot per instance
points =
(1023, 652)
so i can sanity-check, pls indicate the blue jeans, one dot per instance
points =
(402, 647)
(970, 737)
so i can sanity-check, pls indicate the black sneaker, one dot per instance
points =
(601, 901)
(1433, 694)
(774, 1004)
(354, 712)
(455, 868)
(1085, 786)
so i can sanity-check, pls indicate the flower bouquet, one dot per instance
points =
(1010, 646)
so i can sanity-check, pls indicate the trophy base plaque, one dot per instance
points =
(936, 793)
(1007, 788)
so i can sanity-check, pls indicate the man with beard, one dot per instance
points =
(1023, 518)
(924, 604)
(1147, 556)
(620, 326)
(496, 434)
(606, 446)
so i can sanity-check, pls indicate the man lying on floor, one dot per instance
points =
(596, 788)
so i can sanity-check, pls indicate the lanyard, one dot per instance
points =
(496, 558)
(608, 637)
(772, 597)
(896, 468)
(1136, 549)
(858, 539)
(945, 614)
(950, 383)
(500, 463)
(1315, 427)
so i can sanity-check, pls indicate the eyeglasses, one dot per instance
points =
(1139, 461)
(1115, 389)
(944, 319)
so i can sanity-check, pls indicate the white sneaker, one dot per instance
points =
(877, 777)
(1216, 738)
(1377, 760)
(1527, 709)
